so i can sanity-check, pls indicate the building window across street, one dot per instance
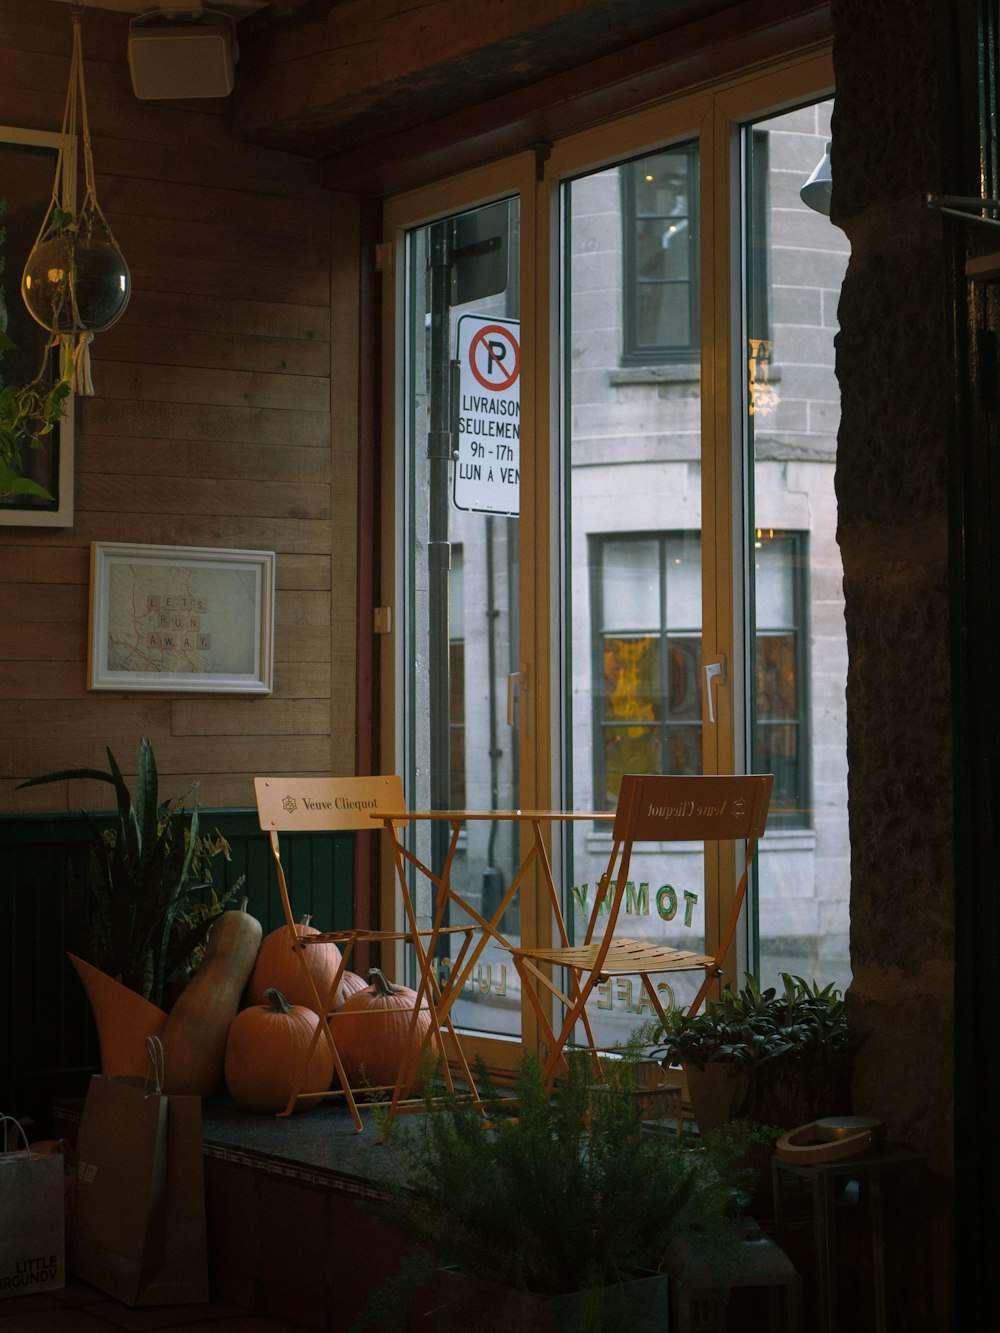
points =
(646, 613)
(660, 257)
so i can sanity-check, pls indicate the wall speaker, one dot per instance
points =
(182, 59)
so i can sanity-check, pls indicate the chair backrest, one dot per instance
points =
(314, 804)
(711, 808)
(703, 808)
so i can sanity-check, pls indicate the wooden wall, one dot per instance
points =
(211, 426)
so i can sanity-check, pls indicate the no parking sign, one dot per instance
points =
(487, 471)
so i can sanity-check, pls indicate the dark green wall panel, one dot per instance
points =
(48, 1044)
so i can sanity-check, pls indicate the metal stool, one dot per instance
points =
(830, 1216)
(704, 1286)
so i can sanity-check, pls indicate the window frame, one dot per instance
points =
(544, 730)
(799, 816)
(636, 352)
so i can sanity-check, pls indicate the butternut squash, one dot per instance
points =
(194, 1035)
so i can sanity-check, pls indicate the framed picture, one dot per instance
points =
(27, 170)
(170, 618)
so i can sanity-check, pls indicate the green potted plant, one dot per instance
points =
(548, 1213)
(28, 412)
(151, 886)
(777, 1057)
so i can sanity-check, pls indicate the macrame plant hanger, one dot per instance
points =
(76, 282)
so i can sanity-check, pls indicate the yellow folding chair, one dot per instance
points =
(333, 804)
(651, 809)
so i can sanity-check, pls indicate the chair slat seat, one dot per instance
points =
(625, 957)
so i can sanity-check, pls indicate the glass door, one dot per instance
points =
(794, 265)
(458, 406)
(633, 466)
(606, 561)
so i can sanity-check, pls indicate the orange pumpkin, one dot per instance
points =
(279, 967)
(268, 1058)
(372, 1032)
(350, 984)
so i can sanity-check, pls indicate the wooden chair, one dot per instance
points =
(651, 809)
(333, 804)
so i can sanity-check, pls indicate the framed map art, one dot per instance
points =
(170, 618)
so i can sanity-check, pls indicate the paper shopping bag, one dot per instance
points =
(139, 1230)
(32, 1225)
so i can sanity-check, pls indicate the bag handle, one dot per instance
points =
(5, 1122)
(153, 1086)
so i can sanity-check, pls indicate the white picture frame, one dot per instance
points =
(181, 619)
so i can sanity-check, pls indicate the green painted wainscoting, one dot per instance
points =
(48, 1043)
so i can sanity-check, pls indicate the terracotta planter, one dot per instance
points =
(124, 1020)
(462, 1302)
(718, 1093)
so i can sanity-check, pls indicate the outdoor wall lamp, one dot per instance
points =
(817, 189)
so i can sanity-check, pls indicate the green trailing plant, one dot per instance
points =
(793, 1037)
(151, 880)
(28, 412)
(550, 1195)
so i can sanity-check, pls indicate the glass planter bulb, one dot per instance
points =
(76, 283)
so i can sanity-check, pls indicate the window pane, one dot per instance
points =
(660, 257)
(633, 481)
(683, 554)
(795, 262)
(685, 683)
(631, 578)
(773, 586)
(461, 553)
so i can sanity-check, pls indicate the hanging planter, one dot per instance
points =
(76, 282)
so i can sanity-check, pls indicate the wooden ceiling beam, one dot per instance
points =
(336, 78)
(424, 144)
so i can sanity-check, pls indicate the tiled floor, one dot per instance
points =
(79, 1308)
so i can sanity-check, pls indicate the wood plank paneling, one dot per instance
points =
(306, 536)
(185, 421)
(190, 271)
(185, 458)
(43, 564)
(188, 384)
(268, 717)
(301, 607)
(302, 680)
(224, 351)
(58, 643)
(210, 426)
(25, 604)
(219, 204)
(241, 315)
(211, 496)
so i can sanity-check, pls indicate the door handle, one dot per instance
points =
(514, 679)
(714, 671)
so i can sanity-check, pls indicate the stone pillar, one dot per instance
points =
(897, 386)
